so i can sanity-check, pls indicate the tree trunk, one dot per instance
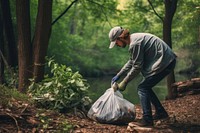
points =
(170, 9)
(10, 38)
(41, 37)
(73, 21)
(24, 43)
(198, 42)
(1, 49)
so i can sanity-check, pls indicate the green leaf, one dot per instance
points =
(79, 83)
(83, 88)
(48, 84)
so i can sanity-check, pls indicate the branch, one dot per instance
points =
(7, 131)
(101, 6)
(5, 62)
(4, 59)
(95, 3)
(15, 121)
(155, 11)
(63, 12)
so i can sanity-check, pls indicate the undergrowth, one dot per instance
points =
(62, 90)
(7, 94)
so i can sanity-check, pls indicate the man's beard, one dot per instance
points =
(124, 44)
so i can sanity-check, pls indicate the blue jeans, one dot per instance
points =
(148, 97)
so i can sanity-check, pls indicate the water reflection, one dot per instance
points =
(99, 85)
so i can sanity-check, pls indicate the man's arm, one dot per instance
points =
(137, 58)
(125, 68)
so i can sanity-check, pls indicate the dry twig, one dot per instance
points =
(15, 121)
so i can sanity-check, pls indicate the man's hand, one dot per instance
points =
(115, 86)
(115, 79)
(122, 85)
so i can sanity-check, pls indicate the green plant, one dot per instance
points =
(7, 94)
(65, 89)
(65, 126)
(44, 119)
(11, 77)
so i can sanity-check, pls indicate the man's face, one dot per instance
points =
(121, 42)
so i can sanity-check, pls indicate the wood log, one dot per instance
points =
(196, 79)
(135, 128)
(188, 85)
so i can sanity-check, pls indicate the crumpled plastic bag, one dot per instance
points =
(112, 108)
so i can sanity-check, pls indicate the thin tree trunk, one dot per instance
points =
(10, 38)
(1, 49)
(170, 9)
(41, 37)
(198, 42)
(73, 21)
(24, 43)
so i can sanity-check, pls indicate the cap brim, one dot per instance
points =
(112, 44)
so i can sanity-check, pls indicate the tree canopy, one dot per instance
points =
(84, 30)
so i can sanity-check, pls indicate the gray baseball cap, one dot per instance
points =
(114, 34)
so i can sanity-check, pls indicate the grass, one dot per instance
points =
(7, 94)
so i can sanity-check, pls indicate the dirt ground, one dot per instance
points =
(184, 115)
(23, 118)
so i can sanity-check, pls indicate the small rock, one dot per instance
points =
(158, 123)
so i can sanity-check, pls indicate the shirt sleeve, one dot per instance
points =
(136, 61)
(126, 67)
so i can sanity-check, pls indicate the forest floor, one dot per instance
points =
(22, 117)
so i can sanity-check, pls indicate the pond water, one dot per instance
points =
(99, 85)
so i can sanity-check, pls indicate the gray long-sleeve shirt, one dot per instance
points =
(148, 55)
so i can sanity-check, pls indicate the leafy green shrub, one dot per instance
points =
(65, 89)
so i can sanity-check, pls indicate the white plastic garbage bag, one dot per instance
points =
(112, 108)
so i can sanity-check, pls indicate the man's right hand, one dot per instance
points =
(115, 79)
(122, 85)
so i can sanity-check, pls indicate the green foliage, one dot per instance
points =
(65, 126)
(65, 89)
(186, 23)
(79, 39)
(11, 77)
(46, 120)
(139, 16)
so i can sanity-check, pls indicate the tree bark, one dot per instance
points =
(1, 48)
(24, 43)
(9, 34)
(41, 37)
(198, 42)
(170, 9)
